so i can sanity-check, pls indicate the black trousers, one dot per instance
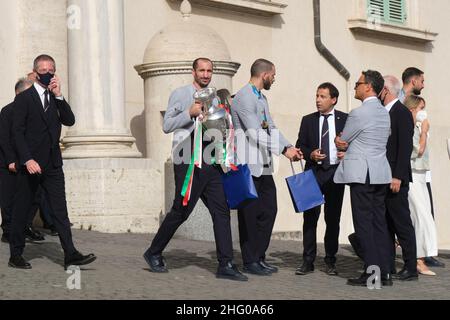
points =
(40, 203)
(399, 223)
(334, 195)
(8, 186)
(369, 219)
(207, 186)
(256, 221)
(52, 182)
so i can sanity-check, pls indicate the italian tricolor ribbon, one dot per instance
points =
(196, 161)
(196, 157)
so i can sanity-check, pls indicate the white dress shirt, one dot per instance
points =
(40, 90)
(390, 105)
(331, 136)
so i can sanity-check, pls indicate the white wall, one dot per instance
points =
(288, 40)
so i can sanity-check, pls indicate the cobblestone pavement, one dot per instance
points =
(120, 272)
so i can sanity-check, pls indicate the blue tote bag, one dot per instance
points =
(304, 189)
(239, 187)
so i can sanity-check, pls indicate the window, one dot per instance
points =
(395, 19)
(388, 11)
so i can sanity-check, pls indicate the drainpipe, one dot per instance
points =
(326, 53)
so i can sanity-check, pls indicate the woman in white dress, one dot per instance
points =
(419, 201)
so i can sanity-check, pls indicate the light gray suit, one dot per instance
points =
(366, 168)
(254, 145)
(367, 131)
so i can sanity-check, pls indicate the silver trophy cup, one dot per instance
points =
(214, 117)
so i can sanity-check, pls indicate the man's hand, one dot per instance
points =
(33, 167)
(55, 86)
(12, 167)
(293, 154)
(341, 145)
(317, 156)
(395, 185)
(341, 155)
(196, 109)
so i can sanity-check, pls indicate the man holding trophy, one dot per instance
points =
(190, 108)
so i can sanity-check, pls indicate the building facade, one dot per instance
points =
(119, 60)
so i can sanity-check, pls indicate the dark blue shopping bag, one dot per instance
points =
(239, 187)
(305, 191)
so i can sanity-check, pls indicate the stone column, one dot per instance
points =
(96, 81)
(106, 189)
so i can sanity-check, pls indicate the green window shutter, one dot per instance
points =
(388, 11)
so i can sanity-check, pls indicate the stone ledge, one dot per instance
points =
(148, 70)
(256, 7)
(394, 32)
(114, 195)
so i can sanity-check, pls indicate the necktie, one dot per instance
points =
(325, 141)
(46, 101)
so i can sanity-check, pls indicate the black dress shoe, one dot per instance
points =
(5, 238)
(405, 275)
(267, 266)
(304, 269)
(230, 272)
(77, 259)
(18, 262)
(359, 282)
(33, 235)
(434, 263)
(155, 262)
(256, 269)
(331, 269)
(386, 280)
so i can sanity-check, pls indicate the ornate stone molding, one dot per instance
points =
(99, 146)
(266, 8)
(155, 69)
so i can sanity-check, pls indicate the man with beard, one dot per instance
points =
(206, 184)
(413, 83)
(257, 133)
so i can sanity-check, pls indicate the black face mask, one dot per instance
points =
(45, 78)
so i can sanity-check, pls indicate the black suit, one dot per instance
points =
(8, 179)
(308, 141)
(399, 149)
(36, 137)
